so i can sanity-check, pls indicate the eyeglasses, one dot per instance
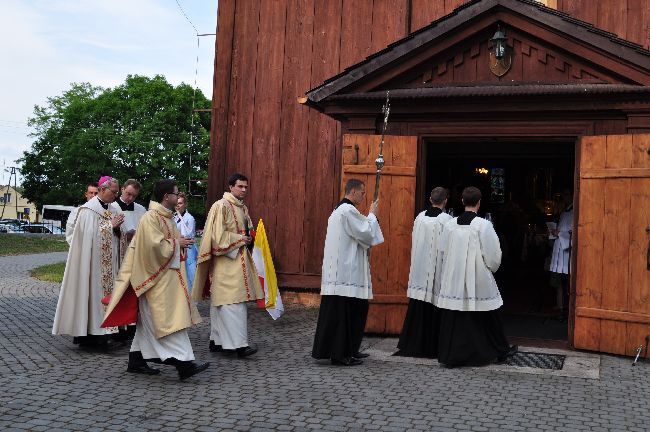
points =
(172, 193)
(115, 192)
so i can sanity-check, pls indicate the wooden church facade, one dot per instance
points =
(299, 87)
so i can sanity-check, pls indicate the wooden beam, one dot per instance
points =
(371, 169)
(613, 315)
(615, 173)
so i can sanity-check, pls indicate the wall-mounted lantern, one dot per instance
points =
(500, 53)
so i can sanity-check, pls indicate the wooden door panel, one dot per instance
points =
(612, 276)
(390, 261)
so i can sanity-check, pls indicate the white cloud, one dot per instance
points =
(46, 45)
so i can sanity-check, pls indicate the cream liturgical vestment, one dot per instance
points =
(346, 264)
(92, 266)
(152, 269)
(426, 260)
(471, 253)
(225, 269)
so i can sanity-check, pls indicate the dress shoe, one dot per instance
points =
(360, 355)
(246, 351)
(347, 362)
(187, 369)
(143, 369)
(215, 348)
(137, 364)
(511, 351)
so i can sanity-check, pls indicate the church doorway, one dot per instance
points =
(522, 182)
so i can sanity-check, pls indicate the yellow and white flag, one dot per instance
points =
(265, 269)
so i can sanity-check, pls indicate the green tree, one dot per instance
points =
(143, 129)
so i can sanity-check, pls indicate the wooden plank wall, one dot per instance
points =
(269, 52)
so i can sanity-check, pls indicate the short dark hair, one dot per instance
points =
(232, 180)
(471, 196)
(353, 184)
(162, 187)
(132, 182)
(439, 195)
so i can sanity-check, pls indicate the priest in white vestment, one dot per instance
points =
(225, 270)
(133, 211)
(419, 337)
(346, 286)
(471, 332)
(561, 254)
(187, 226)
(91, 192)
(152, 288)
(97, 245)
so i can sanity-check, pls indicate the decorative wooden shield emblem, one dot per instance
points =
(499, 67)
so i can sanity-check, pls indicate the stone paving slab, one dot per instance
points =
(576, 364)
(47, 383)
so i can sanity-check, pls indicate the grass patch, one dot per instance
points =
(49, 272)
(23, 244)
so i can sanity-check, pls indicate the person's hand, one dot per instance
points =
(117, 220)
(374, 207)
(129, 235)
(247, 239)
(186, 242)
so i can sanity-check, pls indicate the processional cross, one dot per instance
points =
(379, 162)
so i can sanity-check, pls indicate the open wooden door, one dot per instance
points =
(391, 260)
(612, 283)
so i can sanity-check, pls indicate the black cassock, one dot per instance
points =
(339, 331)
(470, 338)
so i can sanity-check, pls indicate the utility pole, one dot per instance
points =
(13, 172)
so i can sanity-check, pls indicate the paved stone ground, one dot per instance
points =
(47, 384)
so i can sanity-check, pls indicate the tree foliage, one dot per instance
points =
(143, 129)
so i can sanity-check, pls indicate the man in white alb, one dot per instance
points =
(561, 255)
(133, 211)
(419, 337)
(346, 286)
(471, 333)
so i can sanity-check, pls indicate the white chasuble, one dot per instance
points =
(470, 254)
(91, 269)
(426, 261)
(346, 263)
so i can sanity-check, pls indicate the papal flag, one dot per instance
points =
(264, 264)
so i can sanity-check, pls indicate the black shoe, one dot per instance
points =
(347, 362)
(360, 355)
(511, 351)
(187, 369)
(215, 348)
(143, 369)
(245, 351)
(137, 364)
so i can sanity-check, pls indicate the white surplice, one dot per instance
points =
(90, 271)
(560, 262)
(132, 217)
(426, 261)
(346, 264)
(471, 253)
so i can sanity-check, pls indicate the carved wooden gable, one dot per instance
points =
(543, 47)
(468, 63)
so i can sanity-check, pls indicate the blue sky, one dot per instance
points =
(47, 44)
